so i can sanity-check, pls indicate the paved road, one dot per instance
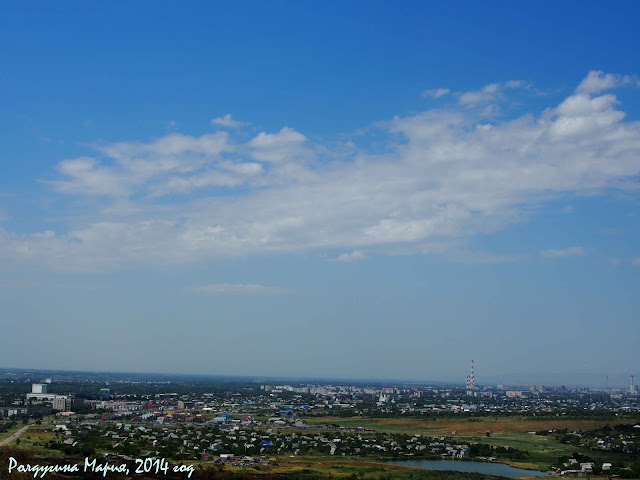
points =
(15, 435)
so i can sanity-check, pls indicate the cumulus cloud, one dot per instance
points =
(597, 81)
(580, 115)
(566, 252)
(428, 181)
(239, 288)
(350, 257)
(285, 145)
(228, 121)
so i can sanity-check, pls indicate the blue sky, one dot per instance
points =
(343, 189)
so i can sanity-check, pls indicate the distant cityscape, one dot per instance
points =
(312, 397)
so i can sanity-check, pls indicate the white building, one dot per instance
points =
(38, 388)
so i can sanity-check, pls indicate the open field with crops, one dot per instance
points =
(463, 426)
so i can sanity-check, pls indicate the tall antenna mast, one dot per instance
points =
(471, 381)
(473, 377)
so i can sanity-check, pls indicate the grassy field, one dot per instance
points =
(463, 426)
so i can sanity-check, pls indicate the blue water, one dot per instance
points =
(477, 467)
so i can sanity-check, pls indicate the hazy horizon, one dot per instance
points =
(569, 380)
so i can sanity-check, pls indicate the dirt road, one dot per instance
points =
(15, 435)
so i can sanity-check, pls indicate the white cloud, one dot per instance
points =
(566, 252)
(489, 93)
(239, 288)
(283, 146)
(243, 168)
(350, 257)
(433, 179)
(286, 136)
(287, 154)
(636, 261)
(597, 81)
(436, 93)
(206, 179)
(581, 115)
(516, 84)
(228, 121)
(152, 166)
(485, 94)
(138, 154)
(89, 178)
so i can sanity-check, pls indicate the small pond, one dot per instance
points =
(478, 467)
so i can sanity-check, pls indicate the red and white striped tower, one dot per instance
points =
(473, 377)
(471, 381)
